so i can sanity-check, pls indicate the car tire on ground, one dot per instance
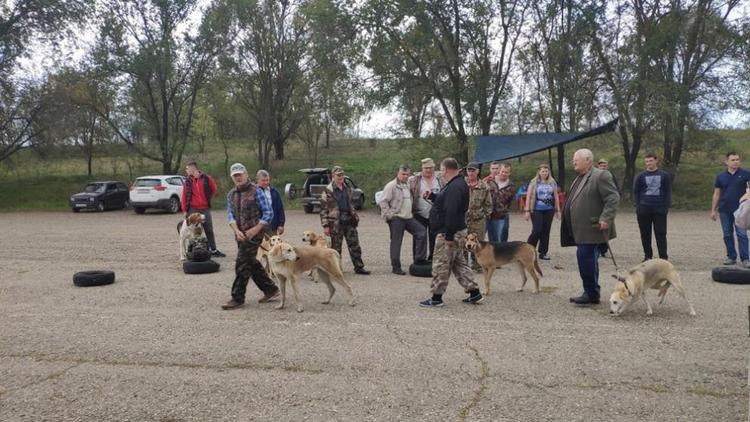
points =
(75, 209)
(203, 267)
(308, 209)
(421, 269)
(174, 205)
(139, 210)
(731, 275)
(93, 278)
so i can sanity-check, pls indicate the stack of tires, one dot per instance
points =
(199, 262)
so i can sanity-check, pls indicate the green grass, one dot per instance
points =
(29, 181)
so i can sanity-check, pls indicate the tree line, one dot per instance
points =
(158, 75)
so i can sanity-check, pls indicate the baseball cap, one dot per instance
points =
(602, 160)
(427, 162)
(237, 168)
(473, 165)
(337, 169)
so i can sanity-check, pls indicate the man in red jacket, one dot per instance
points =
(199, 190)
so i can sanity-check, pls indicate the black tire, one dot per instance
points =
(75, 210)
(174, 205)
(731, 275)
(139, 210)
(421, 269)
(100, 206)
(309, 209)
(199, 255)
(93, 278)
(205, 267)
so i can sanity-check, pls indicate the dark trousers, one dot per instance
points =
(541, 224)
(348, 232)
(430, 236)
(588, 268)
(208, 225)
(246, 266)
(659, 223)
(730, 230)
(397, 227)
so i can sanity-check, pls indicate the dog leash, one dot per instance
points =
(605, 235)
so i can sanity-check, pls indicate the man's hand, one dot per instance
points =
(713, 215)
(239, 235)
(603, 225)
(327, 231)
(426, 194)
(280, 230)
(253, 231)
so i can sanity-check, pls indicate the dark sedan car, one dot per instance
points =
(101, 196)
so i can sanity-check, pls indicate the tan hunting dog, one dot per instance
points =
(491, 256)
(652, 274)
(314, 239)
(190, 228)
(288, 261)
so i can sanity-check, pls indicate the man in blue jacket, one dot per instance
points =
(263, 180)
(448, 220)
(652, 194)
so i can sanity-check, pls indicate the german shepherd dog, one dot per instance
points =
(491, 256)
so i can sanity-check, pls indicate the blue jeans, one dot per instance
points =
(588, 268)
(497, 230)
(728, 227)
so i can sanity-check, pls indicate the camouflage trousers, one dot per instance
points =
(449, 260)
(477, 227)
(348, 232)
(247, 266)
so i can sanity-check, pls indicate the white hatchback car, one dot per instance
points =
(163, 192)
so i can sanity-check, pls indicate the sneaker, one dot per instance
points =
(544, 256)
(730, 261)
(398, 271)
(476, 297)
(429, 303)
(217, 253)
(746, 263)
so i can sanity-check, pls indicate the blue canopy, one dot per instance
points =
(503, 147)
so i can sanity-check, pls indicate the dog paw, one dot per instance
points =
(279, 306)
(649, 313)
(519, 290)
(692, 313)
(299, 309)
(352, 302)
(536, 291)
(326, 302)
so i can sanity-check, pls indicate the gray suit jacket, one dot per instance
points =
(595, 199)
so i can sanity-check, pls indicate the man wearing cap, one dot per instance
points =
(397, 208)
(588, 220)
(426, 180)
(340, 219)
(480, 206)
(503, 191)
(448, 219)
(249, 213)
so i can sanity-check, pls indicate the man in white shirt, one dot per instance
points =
(397, 207)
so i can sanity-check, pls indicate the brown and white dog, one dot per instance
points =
(491, 256)
(262, 254)
(314, 239)
(288, 261)
(190, 228)
(652, 274)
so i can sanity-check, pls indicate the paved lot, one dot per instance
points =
(155, 345)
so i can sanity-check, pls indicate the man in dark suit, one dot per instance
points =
(588, 220)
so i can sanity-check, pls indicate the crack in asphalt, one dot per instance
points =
(157, 364)
(484, 372)
(53, 375)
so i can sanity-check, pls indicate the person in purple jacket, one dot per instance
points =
(652, 194)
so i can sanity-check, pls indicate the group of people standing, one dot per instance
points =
(440, 208)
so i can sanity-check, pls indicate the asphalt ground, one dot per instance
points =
(155, 346)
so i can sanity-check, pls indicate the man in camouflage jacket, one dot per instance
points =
(340, 219)
(480, 205)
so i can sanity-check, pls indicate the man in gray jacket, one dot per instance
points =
(588, 220)
(397, 208)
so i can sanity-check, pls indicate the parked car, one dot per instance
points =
(101, 196)
(316, 181)
(162, 192)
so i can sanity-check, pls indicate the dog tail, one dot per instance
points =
(536, 264)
